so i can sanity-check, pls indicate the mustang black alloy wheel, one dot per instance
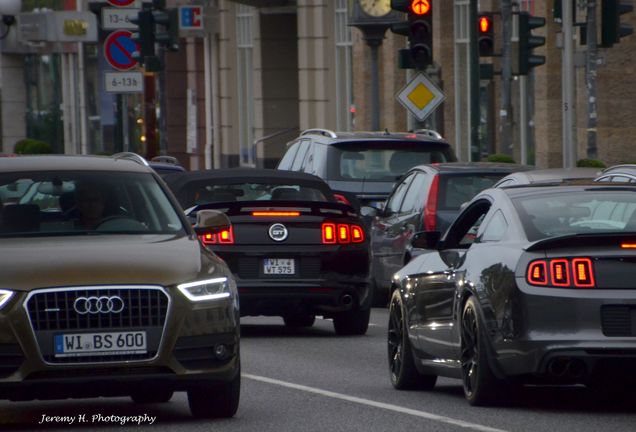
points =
(404, 375)
(481, 386)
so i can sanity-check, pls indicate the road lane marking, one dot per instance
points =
(390, 407)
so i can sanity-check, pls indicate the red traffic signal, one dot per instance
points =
(420, 7)
(486, 35)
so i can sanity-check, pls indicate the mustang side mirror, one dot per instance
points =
(211, 221)
(426, 239)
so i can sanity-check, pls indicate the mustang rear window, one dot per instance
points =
(572, 212)
(204, 194)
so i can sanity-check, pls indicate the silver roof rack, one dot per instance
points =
(324, 132)
(131, 156)
(430, 132)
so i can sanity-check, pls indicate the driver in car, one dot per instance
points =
(90, 202)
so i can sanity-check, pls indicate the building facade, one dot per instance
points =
(263, 70)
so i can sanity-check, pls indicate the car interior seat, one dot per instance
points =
(286, 194)
(205, 196)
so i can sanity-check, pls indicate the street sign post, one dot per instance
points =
(119, 18)
(119, 48)
(420, 96)
(124, 82)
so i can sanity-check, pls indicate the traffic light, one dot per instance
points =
(144, 36)
(486, 35)
(167, 28)
(612, 30)
(528, 42)
(419, 29)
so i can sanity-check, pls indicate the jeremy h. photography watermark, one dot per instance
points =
(98, 418)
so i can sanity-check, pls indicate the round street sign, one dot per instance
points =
(121, 3)
(119, 48)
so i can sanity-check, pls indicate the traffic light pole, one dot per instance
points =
(474, 150)
(506, 78)
(567, 83)
(591, 57)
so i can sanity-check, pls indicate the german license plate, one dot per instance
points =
(279, 266)
(111, 343)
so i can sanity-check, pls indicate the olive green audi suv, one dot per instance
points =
(106, 290)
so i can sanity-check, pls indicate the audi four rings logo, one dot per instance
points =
(94, 305)
(278, 232)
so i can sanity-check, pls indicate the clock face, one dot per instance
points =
(376, 8)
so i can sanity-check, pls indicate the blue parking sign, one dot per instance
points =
(191, 17)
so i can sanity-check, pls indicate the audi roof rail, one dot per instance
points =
(319, 131)
(429, 132)
(131, 156)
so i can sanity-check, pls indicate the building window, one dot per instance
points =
(344, 87)
(245, 48)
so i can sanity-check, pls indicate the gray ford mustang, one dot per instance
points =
(530, 284)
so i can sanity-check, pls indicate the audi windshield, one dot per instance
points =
(77, 203)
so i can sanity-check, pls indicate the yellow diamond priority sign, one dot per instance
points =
(420, 96)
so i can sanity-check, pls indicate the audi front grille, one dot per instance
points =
(97, 309)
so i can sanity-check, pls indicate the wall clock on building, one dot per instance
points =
(376, 8)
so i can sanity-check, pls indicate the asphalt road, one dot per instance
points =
(313, 380)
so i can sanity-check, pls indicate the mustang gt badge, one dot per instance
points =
(278, 232)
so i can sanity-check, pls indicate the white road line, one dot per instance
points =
(370, 324)
(399, 409)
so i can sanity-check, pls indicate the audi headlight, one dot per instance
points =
(210, 289)
(5, 296)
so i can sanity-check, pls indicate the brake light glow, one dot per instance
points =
(537, 274)
(559, 272)
(342, 233)
(275, 213)
(223, 237)
(430, 209)
(583, 273)
(562, 273)
(328, 233)
(628, 245)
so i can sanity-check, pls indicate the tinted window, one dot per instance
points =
(286, 162)
(300, 156)
(495, 229)
(577, 212)
(208, 192)
(394, 202)
(458, 189)
(382, 160)
(414, 198)
(70, 203)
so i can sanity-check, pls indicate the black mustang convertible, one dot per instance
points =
(295, 251)
(533, 284)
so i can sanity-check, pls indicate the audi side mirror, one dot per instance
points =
(211, 221)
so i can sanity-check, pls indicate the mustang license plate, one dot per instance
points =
(279, 266)
(110, 343)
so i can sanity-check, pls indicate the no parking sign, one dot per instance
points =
(121, 3)
(119, 48)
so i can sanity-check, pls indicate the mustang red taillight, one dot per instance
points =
(583, 274)
(562, 273)
(223, 237)
(341, 233)
(537, 273)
